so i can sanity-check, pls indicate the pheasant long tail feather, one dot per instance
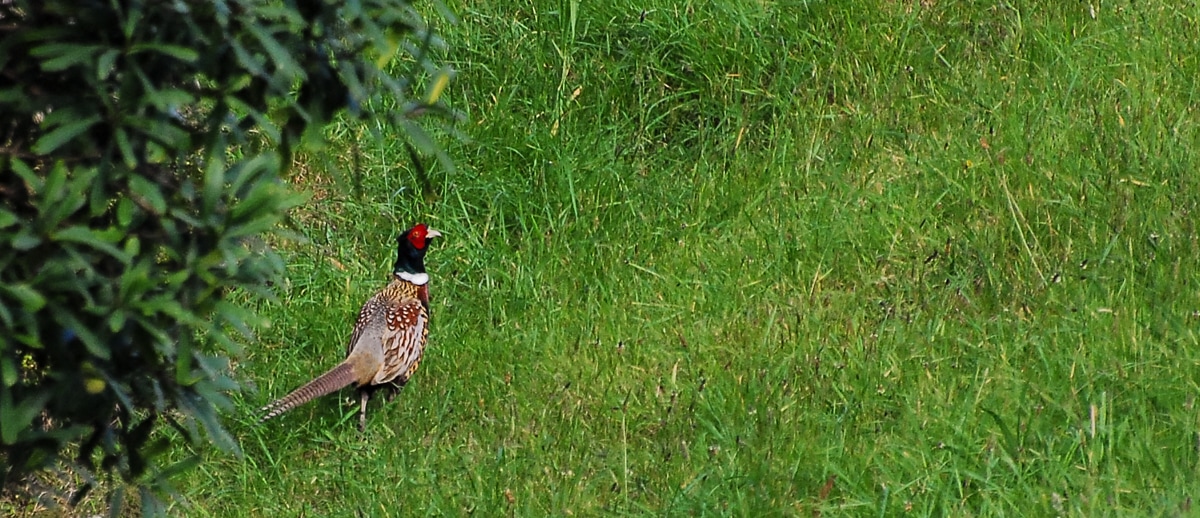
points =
(336, 379)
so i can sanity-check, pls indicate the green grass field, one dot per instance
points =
(868, 258)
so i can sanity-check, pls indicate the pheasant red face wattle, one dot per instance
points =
(420, 235)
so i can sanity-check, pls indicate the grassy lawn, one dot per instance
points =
(872, 258)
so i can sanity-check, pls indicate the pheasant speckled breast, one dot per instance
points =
(389, 336)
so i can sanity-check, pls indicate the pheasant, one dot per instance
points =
(389, 336)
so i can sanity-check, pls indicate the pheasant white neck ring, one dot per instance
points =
(420, 279)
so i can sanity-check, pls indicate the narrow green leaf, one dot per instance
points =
(125, 211)
(132, 18)
(248, 60)
(420, 138)
(169, 98)
(25, 240)
(91, 238)
(116, 501)
(16, 417)
(127, 155)
(65, 55)
(12, 95)
(29, 298)
(116, 320)
(68, 194)
(7, 219)
(284, 63)
(256, 203)
(175, 51)
(63, 134)
(186, 464)
(8, 370)
(135, 282)
(156, 153)
(204, 414)
(32, 180)
(104, 64)
(53, 188)
(167, 134)
(85, 335)
(133, 246)
(214, 180)
(252, 227)
(237, 316)
(147, 194)
(170, 307)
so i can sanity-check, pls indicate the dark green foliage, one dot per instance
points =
(140, 151)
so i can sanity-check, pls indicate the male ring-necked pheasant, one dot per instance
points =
(389, 336)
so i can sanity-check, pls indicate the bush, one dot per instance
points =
(142, 144)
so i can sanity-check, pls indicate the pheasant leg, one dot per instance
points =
(362, 410)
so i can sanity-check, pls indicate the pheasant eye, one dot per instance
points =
(416, 236)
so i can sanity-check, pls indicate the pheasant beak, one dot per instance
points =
(431, 233)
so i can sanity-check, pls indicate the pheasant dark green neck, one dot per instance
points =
(410, 253)
(410, 261)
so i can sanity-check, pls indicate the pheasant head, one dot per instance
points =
(410, 253)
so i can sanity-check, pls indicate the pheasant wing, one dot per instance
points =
(403, 341)
(374, 307)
